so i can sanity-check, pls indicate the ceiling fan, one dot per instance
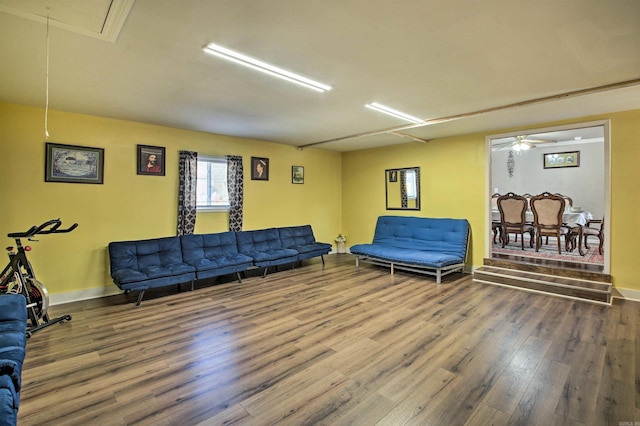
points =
(522, 143)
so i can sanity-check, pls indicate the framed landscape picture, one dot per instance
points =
(73, 164)
(151, 160)
(562, 159)
(297, 174)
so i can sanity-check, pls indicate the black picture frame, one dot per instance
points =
(73, 164)
(151, 160)
(297, 174)
(259, 168)
(557, 160)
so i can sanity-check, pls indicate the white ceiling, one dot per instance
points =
(428, 58)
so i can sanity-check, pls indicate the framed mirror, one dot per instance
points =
(402, 188)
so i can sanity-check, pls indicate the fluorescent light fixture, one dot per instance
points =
(258, 65)
(395, 113)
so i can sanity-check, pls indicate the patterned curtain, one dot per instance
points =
(403, 189)
(235, 187)
(187, 192)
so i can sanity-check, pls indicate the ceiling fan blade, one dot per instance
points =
(503, 144)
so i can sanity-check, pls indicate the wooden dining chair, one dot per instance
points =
(495, 224)
(568, 201)
(512, 218)
(547, 219)
(594, 231)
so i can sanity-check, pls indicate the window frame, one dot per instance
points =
(211, 208)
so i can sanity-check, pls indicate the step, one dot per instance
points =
(527, 266)
(557, 285)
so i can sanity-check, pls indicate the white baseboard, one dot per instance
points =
(75, 296)
(629, 294)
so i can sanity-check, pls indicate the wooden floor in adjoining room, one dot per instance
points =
(336, 345)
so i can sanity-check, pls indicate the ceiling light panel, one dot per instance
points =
(256, 64)
(394, 112)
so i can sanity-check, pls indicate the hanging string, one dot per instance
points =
(46, 103)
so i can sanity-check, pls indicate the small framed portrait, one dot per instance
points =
(259, 168)
(297, 174)
(393, 175)
(151, 160)
(73, 164)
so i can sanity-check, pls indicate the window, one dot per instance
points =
(410, 181)
(212, 184)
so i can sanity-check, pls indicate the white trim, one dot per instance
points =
(606, 123)
(75, 296)
(629, 294)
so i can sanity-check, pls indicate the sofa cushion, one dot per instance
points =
(143, 260)
(301, 239)
(213, 251)
(441, 235)
(407, 256)
(264, 247)
(13, 341)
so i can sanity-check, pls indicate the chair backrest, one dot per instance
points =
(547, 210)
(568, 202)
(494, 201)
(512, 209)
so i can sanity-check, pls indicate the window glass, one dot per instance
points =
(410, 180)
(212, 184)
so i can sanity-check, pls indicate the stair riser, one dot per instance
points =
(585, 275)
(549, 288)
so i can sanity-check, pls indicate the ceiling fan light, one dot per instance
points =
(517, 147)
(525, 147)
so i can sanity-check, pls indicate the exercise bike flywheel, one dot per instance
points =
(40, 297)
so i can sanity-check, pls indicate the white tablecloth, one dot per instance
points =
(570, 218)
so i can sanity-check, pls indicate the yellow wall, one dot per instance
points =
(130, 206)
(342, 192)
(453, 184)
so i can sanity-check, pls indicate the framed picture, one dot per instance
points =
(73, 164)
(259, 168)
(393, 175)
(151, 160)
(297, 174)
(561, 159)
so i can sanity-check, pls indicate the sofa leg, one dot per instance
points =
(264, 273)
(357, 262)
(438, 276)
(322, 257)
(140, 296)
(239, 278)
(192, 284)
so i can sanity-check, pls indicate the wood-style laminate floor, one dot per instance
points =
(336, 345)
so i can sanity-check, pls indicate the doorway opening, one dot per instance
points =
(570, 160)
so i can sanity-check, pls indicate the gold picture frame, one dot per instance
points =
(558, 160)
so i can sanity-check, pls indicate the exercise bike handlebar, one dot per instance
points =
(49, 227)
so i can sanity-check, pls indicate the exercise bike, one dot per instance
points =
(18, 276)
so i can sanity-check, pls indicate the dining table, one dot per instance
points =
(574, 220)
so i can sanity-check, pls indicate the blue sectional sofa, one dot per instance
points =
(13, 340)
(433, 246)
(144, 264)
